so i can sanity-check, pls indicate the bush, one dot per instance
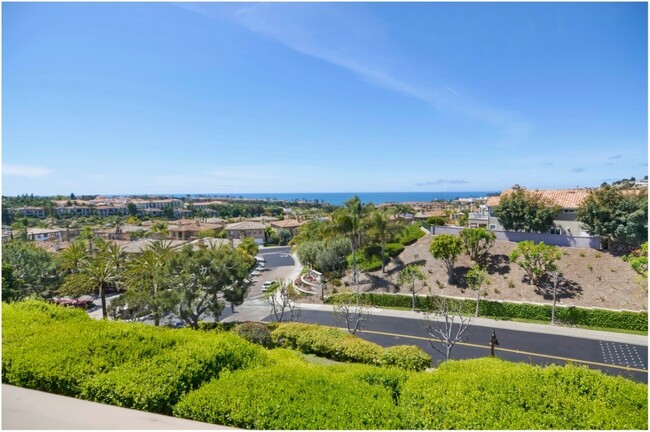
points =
(579, 316)
(338, 345)
(301, 396)
(217, 326)
(394, 249)
(409, 357)
(157, 383)
(472, 394)
(410, 235)
(256, 333)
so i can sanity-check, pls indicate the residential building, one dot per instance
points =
(28, 211)
(74, 210)
(480, 218)
(44, 234)
(289, 224)
(189, 229)
(241, 230)
(564, 222)
(142, 204)
(110, 210)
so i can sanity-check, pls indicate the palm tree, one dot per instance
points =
(96, 273)
(159, 230)
(145, 273)
(384, 229)
(72, 257)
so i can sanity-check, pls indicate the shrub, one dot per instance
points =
(409, 357)
(157, 383)
(394, 249)
(410, 235)
(461, 395)
(336, 344)
(579, 316)
(295, 397)
(256, 333)
(217, 326)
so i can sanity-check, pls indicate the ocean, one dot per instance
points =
(338, 198)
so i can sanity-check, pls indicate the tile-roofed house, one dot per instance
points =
(45, 234)
(187, 229)
(29, 211)
(240, 230)
(568, 200)
(289, 224)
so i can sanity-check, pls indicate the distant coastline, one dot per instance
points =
(338, 198)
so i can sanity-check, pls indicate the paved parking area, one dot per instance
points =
(278, 264)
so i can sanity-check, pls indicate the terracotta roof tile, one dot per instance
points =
(564, 198)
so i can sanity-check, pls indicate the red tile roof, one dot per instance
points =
(564, 198)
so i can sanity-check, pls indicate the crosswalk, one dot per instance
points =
(622, 355)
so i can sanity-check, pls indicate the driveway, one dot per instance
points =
(277, 264)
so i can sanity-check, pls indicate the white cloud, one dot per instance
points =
(25, 171)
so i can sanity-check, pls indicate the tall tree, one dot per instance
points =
(72, 256)
(12, 287)
(98, 271)
(477, 243)
(35, 268)
(522, 210)
(132, 209)
(383, 228)
(408, 277)
(145, 278)
(349, 221)
(614, 216)
(200, 276)
(535, 259)
(447, 248)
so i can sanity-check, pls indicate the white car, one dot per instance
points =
(267, 285)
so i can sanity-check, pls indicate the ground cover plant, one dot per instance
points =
(217, 376)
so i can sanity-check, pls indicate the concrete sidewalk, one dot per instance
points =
(34, 410)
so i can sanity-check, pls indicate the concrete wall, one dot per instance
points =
(550, 239)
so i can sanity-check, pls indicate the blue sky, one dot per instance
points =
(331, 97)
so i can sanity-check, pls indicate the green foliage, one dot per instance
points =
(477, 243)
(60, 350)
(338, 345)
(34, 271)
(525, 211)
(446, 247)
(410, 235)
(612, 215)
(409, 357)
(394, 249)
(472, 394)
(257, 333)
(638, 260)
(535, 259)
(12, 287)
(294, 396)
(436, 221)
(502, 310)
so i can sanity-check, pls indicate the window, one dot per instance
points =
(569, 210)
(493, 227)
(556, 231)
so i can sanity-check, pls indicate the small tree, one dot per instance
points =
(353, 316)
(407, 277)
(476, 278)
(281, 297)
(638, 260)
(477, 243)
(447, 248)
(447, 327)
(535, 259)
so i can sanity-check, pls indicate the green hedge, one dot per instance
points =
(495, 394)
(411, 234)
(574, 315)
(338, 345)
(125, 364)
(290, 397)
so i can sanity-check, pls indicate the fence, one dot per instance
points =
(513, 236)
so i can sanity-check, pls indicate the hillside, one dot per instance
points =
(591, 278)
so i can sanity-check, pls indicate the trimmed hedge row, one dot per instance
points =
(411, 234)
(336, 344)
(574, 315)
(297, 396)
(495, 394)
(125, 364)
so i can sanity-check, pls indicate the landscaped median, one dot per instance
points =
(217, 376)
(589, 317)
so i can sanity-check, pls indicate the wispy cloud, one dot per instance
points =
(441, 182)
(359, 45)
(617, 156)
(577, 170)
(28, 171)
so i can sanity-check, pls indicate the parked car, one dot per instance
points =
(266, 285)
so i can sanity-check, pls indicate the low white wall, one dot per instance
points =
(512, 236)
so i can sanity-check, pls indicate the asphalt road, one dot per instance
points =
(537, 348)
(277, 264)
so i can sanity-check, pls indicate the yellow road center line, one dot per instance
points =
(566, 359)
